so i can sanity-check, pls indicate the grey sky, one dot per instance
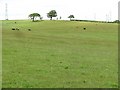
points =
(81, 9)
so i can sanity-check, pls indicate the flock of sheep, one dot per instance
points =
(30, 29)
(19, 29)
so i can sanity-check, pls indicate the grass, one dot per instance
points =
(60, 54)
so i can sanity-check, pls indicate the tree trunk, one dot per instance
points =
(50, 18)
(33, 19)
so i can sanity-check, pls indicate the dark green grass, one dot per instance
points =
(60, 54)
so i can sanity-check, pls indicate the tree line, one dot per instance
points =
(50, 15)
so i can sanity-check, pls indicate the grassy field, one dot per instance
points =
(60, 54)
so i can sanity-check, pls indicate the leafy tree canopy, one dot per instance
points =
(71, 16)
(34, 15)
(51, 14)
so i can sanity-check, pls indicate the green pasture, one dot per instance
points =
(59, 54)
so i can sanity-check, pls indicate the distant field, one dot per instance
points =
(60, 54)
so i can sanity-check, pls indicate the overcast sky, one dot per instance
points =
(81, 9)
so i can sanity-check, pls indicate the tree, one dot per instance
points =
(51, 14)
(71, 16)
(34, 15)
(117, 21)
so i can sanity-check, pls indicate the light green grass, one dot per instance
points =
(0, 54)
(60, 54)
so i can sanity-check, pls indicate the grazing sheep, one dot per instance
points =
(29, 29)
(84, 28)
(13, 28)
(17, 29)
